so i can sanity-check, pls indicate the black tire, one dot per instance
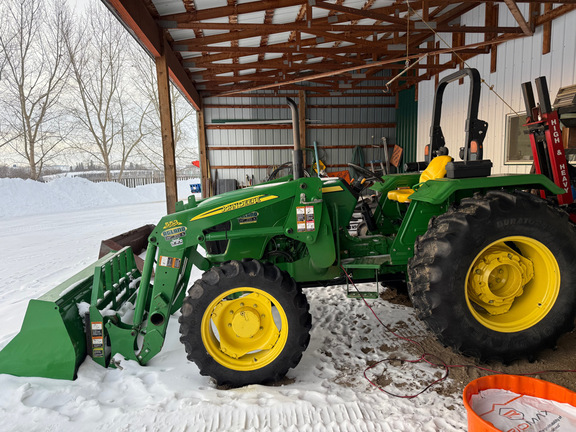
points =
(470, 247)
(213, 322)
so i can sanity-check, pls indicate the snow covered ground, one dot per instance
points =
(50, 231)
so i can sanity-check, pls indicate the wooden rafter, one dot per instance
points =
(375, 64)
(248, 45)
(518, 17)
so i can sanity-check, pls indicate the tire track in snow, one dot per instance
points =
(343, 417)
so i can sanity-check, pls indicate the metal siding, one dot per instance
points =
(407, 125)
(267, 137)
(517, 61)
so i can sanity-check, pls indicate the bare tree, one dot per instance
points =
(131, 138)
(35, 68)
(107, 113)
(183, 120)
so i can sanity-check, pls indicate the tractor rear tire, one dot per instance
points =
(245, 322)
(499, 246)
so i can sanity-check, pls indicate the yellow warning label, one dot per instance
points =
(329, 189)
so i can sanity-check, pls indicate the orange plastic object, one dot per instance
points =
(345, 175)
(514, 383)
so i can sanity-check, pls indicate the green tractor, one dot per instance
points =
(490, 266)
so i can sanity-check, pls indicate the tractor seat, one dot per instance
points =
(436, 169)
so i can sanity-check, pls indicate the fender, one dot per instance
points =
(439, 191)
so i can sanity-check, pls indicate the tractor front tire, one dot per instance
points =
(245, 322)
(494, 278)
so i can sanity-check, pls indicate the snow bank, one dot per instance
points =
(29, 197)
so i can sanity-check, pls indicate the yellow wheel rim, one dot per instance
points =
(512, 284)
(244, 329)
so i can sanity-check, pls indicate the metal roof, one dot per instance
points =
(224, 47)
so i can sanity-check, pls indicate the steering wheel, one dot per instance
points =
(284, 166)
(369, 175)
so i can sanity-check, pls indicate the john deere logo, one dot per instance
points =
(235, 206)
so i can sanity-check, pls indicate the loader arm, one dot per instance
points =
(248, 218)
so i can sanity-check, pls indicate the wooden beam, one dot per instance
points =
(289, 126)
(204, 161)
(515, 11)
(343, 93)
(238, 126)
(360, 13)
(311, 106)
(226, 11)
(351, 125)
(225, 37)
(555, 13)
(492, 17)
(273, 65)
(312, 77)
(168, 150)
(251, 147)
(267, 29)
(287, 147)
(534, 13)
(138, 19)
(283, 48)
(547, 32)
(223, 167)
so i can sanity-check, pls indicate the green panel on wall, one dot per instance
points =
(407, 125)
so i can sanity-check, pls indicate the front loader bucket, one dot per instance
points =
(137, 239)
(52, 340)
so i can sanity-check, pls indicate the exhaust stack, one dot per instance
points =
(297, 160)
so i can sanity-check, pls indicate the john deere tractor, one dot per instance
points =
(489, 261)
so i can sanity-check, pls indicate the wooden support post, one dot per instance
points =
(302, 123)
(168, 147)
(492, 21)
(437, 61)
(534, 11)
(204, 164)
(547, 35)
(430, 44)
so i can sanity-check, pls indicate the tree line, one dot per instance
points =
(77, 86)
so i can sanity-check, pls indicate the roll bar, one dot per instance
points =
(475, 128)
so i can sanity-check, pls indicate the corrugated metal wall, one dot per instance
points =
(222, 139)
(517, 62)
(337, 124)
(407, 124)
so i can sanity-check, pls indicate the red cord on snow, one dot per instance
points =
(426, 357)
